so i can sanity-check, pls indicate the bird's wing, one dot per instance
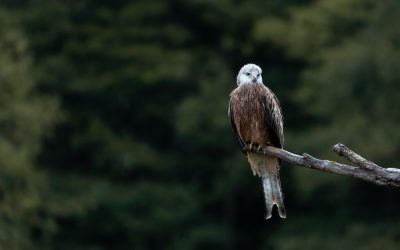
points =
(232, 118)
(274, 118)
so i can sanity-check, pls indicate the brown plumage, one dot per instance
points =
(257, 121)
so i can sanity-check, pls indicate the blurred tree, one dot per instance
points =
(349, 79)
(351, 50)
(25, 118)
(145, 157)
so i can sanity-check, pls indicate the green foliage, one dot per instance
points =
(143, 156)
(25, 118)
(352, 72)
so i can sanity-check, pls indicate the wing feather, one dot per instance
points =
(274, 118)
(237, 135)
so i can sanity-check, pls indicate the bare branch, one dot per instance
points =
(365, 170)
(353, 157)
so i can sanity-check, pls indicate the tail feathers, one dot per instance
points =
(273, 193)
(268, 169)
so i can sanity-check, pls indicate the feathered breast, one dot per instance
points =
(256, 115)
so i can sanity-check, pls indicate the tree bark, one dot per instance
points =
(364, 169)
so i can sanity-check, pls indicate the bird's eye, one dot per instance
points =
(258, 75)
(247, 73)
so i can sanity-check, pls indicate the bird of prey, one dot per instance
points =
(257, 121)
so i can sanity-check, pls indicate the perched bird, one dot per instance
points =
(257, 121)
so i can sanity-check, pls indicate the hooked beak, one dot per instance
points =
(253, 78)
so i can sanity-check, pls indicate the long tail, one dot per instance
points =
(268, 169)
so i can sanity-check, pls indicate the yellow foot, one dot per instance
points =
(251, 146)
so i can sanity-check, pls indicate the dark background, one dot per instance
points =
(114, 131)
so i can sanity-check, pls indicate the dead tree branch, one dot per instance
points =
(364, 170)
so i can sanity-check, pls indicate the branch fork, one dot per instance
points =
(363, 169)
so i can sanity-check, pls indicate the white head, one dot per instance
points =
(249, 74)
